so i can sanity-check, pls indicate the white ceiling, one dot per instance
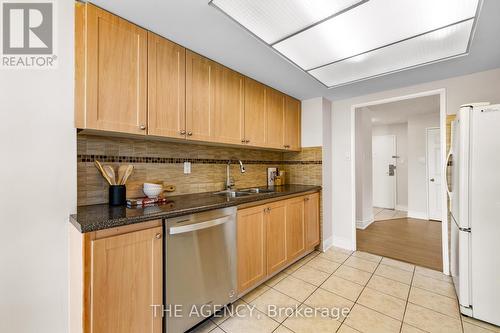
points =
(399, 112)
(204, 29)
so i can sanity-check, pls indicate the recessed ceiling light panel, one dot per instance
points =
(344, 41)
(440, 44)
(273, 20)
(371, 25)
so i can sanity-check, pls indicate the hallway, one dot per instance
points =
(411, 240)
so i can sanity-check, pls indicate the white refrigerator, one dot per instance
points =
(475, 209)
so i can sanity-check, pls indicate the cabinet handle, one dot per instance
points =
(158, 236)
(182, 132)
(243, 141)
(247, 141)
(142, 127)
(306, 199)
(190, 133)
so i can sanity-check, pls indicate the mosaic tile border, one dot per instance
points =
(178, 160)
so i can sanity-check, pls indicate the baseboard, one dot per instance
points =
(364, 223)
(327, 243)
(418, 215)
(343, 243)
(402, 208)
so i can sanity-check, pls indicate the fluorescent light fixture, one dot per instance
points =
(410, 53)
(340, 42)
(274, 20)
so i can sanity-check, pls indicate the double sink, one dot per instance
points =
(244, 192)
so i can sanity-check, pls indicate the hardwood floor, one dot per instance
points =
(411, 240)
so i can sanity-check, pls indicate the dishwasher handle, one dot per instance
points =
(199, 226)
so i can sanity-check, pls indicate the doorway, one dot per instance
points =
(407, 194)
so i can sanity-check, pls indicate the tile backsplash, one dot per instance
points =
(156, 161)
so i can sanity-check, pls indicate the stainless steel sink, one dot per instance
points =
(233, 194)
(257, 190)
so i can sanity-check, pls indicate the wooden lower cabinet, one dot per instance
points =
(273, 235)
(276, 236)
(311, 220)
(251, 247)
(126, 279)
(295, 240)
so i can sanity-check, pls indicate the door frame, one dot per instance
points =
(427, 190)
(442, 125)
(395, 181)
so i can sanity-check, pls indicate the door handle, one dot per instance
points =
(449, 161)
(198, 226)
(392, 167)
(433, 180)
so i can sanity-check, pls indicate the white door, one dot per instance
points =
(434, 173)
(384, 171)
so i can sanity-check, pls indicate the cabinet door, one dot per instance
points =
(311, 217)
(166, 88)
(275, 106)
(295, 230)
(292, 123)
(200, 90)
(251, 237)
(276, 236)
(229, 107)
(116, 84)
(255, 113)
(126, 279)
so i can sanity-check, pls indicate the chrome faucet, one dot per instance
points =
(229, 181)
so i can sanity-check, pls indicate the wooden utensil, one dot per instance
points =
(111, 173)
(127, 174)
(99, 167)
(122, 169)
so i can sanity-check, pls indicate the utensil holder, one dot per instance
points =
(117, 195)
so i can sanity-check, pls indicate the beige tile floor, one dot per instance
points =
(381, 214)
(383, 295)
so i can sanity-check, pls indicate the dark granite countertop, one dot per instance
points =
(98, 217)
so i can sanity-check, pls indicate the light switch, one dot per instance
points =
(187, 167)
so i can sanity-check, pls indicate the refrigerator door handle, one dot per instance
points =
(448, 159)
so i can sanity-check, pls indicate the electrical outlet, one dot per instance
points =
(187, 168)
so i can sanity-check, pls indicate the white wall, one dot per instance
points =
(483, 86)
(400, 131)
(312, 121)
(417, 182)
(364, 169)
(327, 192)
(37, 189)
(315, 132)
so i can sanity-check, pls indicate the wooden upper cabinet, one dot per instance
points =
(200, 91)
(126, 279)
(276, 236)
(166, 88)
(251, 247)
(129, 80)
(116, 73)
(295, 229)
(311, 217)
(292, 123)
(228, 113)
(255, 113)
(275, 106)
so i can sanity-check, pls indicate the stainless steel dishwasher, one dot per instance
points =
(200, 252)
